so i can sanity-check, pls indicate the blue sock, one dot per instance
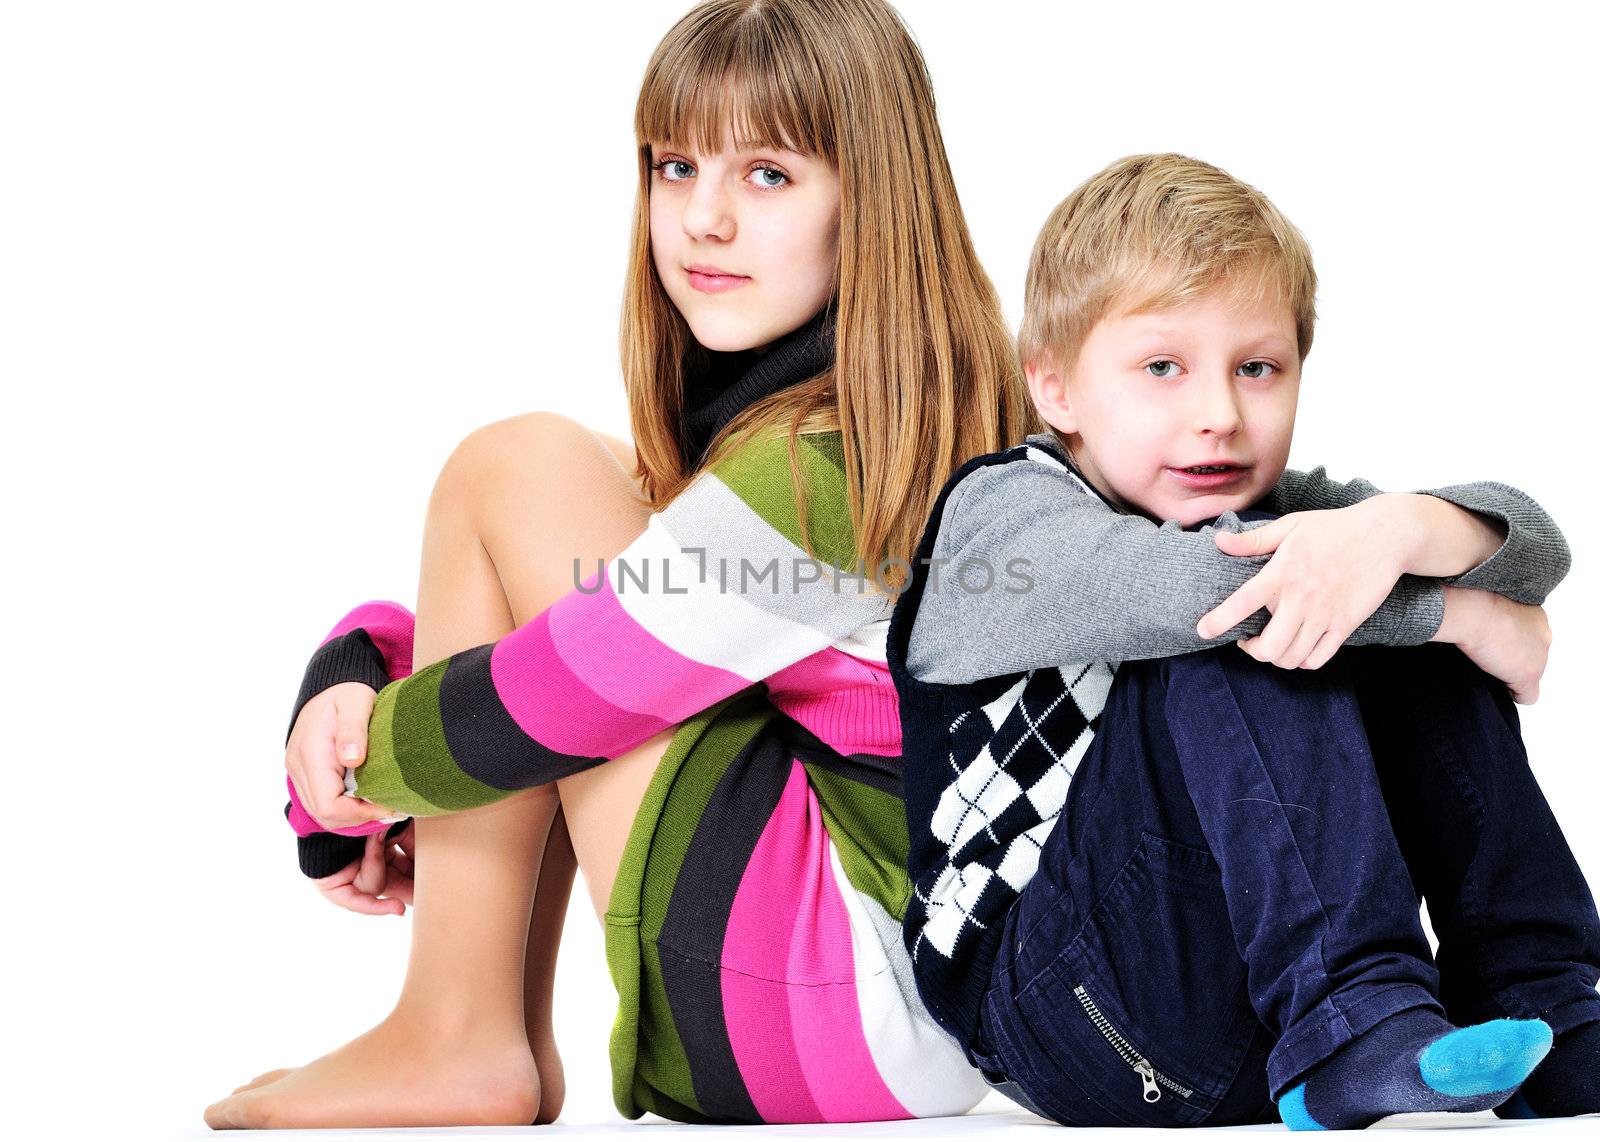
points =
(1566, 1083)
(1416, 1061)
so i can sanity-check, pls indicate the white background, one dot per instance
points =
(263, 265)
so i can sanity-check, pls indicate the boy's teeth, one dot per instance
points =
(1209, 468)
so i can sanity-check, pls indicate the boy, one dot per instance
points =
(1156, 879)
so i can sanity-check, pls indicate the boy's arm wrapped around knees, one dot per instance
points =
(1532, 559)
(371, 644)
(1075, 581)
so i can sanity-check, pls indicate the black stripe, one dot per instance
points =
(696, 923)
(879, 772)
(485, 740)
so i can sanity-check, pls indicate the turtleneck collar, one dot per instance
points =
(1051, 442)
(721, 385)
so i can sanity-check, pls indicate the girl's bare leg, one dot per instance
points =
(514, 505)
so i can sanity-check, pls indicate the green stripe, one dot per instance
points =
(868, 827)
(409, 768)
(758, 472)
(662, 830)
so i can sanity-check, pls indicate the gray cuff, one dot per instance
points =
(1410, 615)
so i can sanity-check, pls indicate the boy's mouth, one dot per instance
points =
(1209, 475)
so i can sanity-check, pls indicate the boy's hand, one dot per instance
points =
(330, 736)
(380, 883)
(1509, 640)
(1328, 572)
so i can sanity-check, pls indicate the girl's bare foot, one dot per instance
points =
(397, 1074)
(552, 1080)
(263, 1080)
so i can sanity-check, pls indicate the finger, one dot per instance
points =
(401, 862)
(1256, 540)
(373, 867)
(1300, 649)
(1285, 658)
(1327, 646)
(350, 735)
(348, 897)
(401, 887)
(346, 811)
(1251, 646)
(327, 786)
(1278, 634)
(344, 876)
(1260, 591)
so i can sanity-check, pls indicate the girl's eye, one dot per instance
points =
(1258, 369)
(1162, 369)
(762, 171)
(680, 169)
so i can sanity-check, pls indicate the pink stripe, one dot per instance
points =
(755, 958)
(846, 701)
(392, 629)
(622, 662)
(788, 978)
(554, 706)
(304, 824)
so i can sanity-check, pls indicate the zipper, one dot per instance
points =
(1154, 1080)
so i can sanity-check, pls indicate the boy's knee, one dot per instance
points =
(1242, 672)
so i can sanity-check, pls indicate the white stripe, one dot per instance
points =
(871, 642)
(704, 622)
(923, 1067)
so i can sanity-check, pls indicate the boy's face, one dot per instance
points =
(1209, 382)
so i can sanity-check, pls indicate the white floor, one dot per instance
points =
(1003, 1121)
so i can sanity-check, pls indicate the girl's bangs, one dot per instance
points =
(736, 80)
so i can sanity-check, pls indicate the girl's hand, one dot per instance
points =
(329, 736)
(380, 883)
(1329, 570)
(1508, 640)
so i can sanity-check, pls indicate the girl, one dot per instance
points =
(810, 347)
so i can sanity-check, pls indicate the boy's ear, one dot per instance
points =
(1047, 385)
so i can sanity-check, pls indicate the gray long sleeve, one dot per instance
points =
(1105, 586)
(1525, 568)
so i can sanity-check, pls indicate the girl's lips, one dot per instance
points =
(1210, 480)
(715, 283)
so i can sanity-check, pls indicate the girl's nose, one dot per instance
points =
(709, 213)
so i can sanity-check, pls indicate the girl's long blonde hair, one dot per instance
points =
(925, 373)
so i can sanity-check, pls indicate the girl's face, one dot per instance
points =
(746, 242)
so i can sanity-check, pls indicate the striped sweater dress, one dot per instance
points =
(754, 929)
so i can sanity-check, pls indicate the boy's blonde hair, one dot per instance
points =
(1150, 232)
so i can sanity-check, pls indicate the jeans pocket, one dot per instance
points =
(1146, 1007)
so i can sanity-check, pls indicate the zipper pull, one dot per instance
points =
(1152, 1092)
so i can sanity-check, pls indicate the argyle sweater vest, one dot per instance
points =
(987, 765)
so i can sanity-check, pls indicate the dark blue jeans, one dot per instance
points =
(1230, 893)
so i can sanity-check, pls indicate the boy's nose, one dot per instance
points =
(1216, 410)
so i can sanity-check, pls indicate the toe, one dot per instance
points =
(263, 1080)
(216, 1115)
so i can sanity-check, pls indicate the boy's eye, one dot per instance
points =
(1258, 369)
(1162, 369)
